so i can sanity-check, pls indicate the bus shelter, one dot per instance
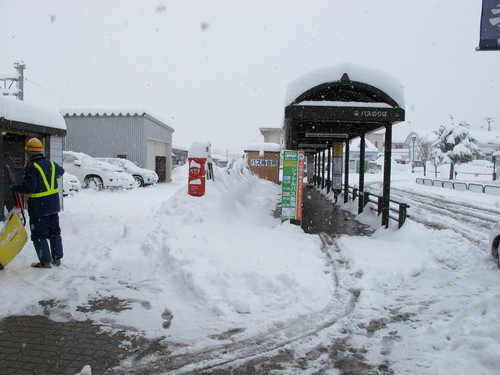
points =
(338, 104)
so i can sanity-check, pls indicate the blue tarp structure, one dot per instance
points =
(490, 26)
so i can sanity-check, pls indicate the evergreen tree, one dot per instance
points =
(456, 144)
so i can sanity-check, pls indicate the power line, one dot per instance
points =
(237, 148)
(53, 93)
(487, 119)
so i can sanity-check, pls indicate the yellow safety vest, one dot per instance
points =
(50, 189)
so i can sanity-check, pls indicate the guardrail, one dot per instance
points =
(461, 186)
(395, 207)
(398, 211)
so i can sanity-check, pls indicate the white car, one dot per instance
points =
(94, 173)
(142, 176)
(70, 183)
(495, 241)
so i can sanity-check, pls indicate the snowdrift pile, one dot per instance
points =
(175, 265)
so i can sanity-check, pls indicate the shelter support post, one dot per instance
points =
(362, 145)
(317, 169)
(323, 170)
(346, 173)
(314, 169)
(328, 170)
(386, 194)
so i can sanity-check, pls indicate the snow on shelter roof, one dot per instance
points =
(16, 110)
(380, 80)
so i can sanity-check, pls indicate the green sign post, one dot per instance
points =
(291, 192)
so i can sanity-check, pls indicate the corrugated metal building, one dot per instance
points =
(133, 134)
(20, 121)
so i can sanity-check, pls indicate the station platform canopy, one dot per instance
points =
(338, 104)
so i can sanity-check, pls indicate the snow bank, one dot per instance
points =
(183, 267)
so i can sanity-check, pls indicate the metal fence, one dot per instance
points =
(398, 211)
(461, 186)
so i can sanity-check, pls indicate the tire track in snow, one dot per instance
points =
(266, 345)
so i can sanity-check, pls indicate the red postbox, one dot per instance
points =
(196, 179)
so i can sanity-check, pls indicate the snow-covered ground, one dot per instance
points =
(220, 268)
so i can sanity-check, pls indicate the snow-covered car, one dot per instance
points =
(70, 183)
(495, 241)
(142, 176)
(94, 173)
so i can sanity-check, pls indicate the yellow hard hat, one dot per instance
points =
(34, 145)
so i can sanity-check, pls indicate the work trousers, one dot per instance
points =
(45, 230)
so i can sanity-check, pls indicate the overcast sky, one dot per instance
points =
(217, 70)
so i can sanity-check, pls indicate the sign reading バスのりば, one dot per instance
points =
(490, 26)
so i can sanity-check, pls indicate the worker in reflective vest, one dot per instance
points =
(40, 184)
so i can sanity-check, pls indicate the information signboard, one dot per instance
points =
(292, 185)
(337, 165)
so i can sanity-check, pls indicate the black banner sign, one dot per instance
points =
(490, 26)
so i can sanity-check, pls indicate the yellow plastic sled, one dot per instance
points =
(12, 239)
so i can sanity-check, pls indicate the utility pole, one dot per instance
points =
(20, 66)
(488, 120)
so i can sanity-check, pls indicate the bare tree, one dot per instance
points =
(437, 158)
(424, 151)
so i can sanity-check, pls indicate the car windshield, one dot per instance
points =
(129, 164)
(90, 160)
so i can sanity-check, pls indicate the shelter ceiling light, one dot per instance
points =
(318, 145)
(325, 135)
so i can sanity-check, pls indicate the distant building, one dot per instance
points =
(132, 134)
(179, 155)
(400, 149)
(20, 121)
(264, 160)
(488, 142)
(371, 154)
(221, 159)
(273, 135)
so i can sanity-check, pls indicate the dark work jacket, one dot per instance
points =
(33, 183)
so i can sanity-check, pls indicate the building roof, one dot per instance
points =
(103, 111)
(113, 111)
(17, 110)
(263, 147)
